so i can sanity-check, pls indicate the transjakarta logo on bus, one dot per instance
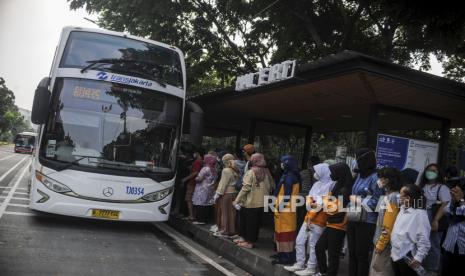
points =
(124, 79)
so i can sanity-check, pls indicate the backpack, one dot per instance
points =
(241, 167)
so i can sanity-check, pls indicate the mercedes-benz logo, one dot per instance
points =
(108, 191)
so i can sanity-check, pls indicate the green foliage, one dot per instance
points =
(11, 121)
(224, 38)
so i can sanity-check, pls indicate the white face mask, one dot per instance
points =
(282, 166)
(315, 175)
(380, 184)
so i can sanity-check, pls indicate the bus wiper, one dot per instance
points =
(75, 162)
(154, 178)
(99, 61)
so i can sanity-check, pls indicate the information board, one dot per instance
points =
(401, 152)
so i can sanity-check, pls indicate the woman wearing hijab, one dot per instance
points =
(314, 223)
(250, 200)
(332, 239)
(226, 191)
(205, 190)
(285, 217)
(361, 227)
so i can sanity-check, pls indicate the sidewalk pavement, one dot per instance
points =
(256, 261)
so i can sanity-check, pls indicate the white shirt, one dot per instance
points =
(410, 233)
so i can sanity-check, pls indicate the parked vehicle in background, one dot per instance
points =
(24, 142)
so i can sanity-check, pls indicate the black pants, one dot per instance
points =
(332, 240)
(250, 222)
(203, 213)
(360, 242)
(452, 262)
(402, 269)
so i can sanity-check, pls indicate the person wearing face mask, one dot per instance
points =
(389, 179)
(251, 200)
(285, 218)
(437, 197)
(332, 239)
(190, 180)
(361, 227)
(410, 234)
(225, 194)
(314, 223)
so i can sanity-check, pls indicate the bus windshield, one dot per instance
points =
(24, 140)
(97, 124)
(136, 58)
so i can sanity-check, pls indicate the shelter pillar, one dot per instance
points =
(238, 139)
(372, 126)
(252, 127)
(307, 146)
(444, 142)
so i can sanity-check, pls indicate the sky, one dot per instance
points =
(29, 33)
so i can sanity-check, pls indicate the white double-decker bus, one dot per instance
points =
(110, 117)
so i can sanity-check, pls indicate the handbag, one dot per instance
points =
(443, 222)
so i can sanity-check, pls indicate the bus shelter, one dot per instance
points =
(345, 92)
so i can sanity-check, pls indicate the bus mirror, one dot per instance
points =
(195, 123)
(41, 102)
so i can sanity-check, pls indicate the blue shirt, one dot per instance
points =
(370, 193)
(456, 231)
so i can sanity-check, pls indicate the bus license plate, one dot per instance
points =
(108, 214)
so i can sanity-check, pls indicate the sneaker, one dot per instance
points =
(306, 272)
(214, 228)
(294, 267)
(198, 223)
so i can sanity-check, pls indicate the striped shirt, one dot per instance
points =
(455, 232)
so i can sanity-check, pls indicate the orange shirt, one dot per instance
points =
(332, 208)
(317, 217)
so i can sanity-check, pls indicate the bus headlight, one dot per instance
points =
(157, 196)
(52, 184)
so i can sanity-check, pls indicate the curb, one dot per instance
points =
(245, 259)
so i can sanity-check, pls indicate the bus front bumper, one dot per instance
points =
(72, 206)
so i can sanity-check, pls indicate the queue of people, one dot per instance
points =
(392, 225)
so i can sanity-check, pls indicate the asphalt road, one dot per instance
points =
(33, 243)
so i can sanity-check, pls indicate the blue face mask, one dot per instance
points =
(430, 175)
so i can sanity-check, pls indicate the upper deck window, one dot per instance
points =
(130, 57)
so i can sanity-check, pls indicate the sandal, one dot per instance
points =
(245, 245)
(238, 240)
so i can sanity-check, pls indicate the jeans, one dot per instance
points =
(312, 238)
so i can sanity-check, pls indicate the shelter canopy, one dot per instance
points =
(337, 93)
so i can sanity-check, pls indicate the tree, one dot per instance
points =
(224, 38)
(11, 121)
